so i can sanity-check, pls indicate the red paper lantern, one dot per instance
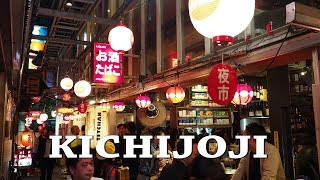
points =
(82, 107)
(119, 106)
(26, 138)
(175, 94)
(143, 101)
(243, 95)
(66, 97)
(222, 84)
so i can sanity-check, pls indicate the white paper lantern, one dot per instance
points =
(221, 19)
(39, 121)
(121, 38)
(66, 83)
(82, 89)
(43, 116)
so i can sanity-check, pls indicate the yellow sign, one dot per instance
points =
(65, 110)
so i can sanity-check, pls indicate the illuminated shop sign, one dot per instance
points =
(107, 64)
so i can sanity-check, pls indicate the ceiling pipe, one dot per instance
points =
(27, 27)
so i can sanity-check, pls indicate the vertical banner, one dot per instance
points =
(97, 124)
(107, 64)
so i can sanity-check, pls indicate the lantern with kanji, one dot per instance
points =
(121, 38)
(82, 89)
(243, 95)
(66, 83)
(175, 94)
(222, 84)
(26, 138)
(143, 101)
(82, 107)
(119, 106)
(228, 18)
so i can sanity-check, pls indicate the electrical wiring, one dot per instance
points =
(275, 57)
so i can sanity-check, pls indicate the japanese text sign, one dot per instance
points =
(222, 84)
(107, 64)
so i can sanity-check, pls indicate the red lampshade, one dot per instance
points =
(121, 38)
(243, 95)
(175, 94)
(119, 106)
(143, 101)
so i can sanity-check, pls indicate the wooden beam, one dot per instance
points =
(85, 1)
(73, 16)
(65, 41)
(302, 15)
(66, 27)
(159, 33)
(200, 69)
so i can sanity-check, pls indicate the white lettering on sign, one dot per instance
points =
(223, 93)
(102, 56)
(108, 69)
(145, 146)
(223, 76)
(113, 57)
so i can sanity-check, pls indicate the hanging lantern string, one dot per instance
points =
(134, 8)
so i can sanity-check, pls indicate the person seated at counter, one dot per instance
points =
(259, 168)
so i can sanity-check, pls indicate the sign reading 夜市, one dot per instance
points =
(107, 64)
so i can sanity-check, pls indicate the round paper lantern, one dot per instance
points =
(222, 84)
(121, 38)
(39, 121)
(105, 106)
(26, 138)
(228, 18)
(119, 106)
(82, 89)
(66, 97)
(243, 95)
(53, 113)
(175, 94)
(43, 116)
(143, 101)
(66, 83)
(82, 107)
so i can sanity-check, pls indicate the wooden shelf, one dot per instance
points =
(197, 117)
(204, 126)
(308, 93)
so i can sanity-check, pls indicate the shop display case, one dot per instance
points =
(201, 117)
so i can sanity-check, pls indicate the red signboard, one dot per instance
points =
(107, 64)
(222, 84)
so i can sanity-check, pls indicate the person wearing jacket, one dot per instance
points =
(250, 168)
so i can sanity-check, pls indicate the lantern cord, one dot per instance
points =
(166, 81)
(136, 7)
(275, 57)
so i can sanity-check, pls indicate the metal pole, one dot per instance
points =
(159, 12)
(180, 31)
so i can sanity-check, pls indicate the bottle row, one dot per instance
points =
(202, 113)
(208, 121)
(258, 109)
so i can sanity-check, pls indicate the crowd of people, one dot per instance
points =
(194, 167)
